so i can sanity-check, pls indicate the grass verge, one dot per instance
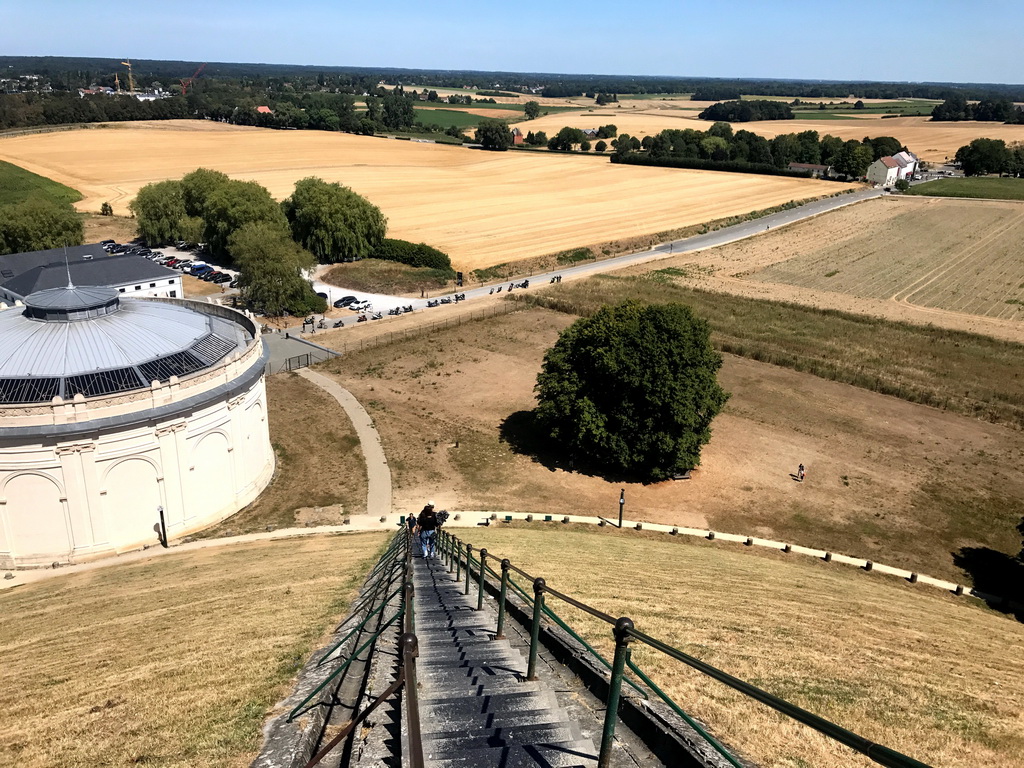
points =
(319, 464)
(377, 276)
(174, 661)
(991, 188)
(933, 677)
(963, 372)
(18, 185)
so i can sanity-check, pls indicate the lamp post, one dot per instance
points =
(622, 504)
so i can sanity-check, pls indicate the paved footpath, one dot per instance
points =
(378, 473)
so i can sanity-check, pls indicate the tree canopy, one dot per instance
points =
(159, 209)
(271, 269)
(532, 110)
(333, 222)
(494, 134)
(37, 224)
(747, 111)
(632, 390)
(984, 156)
(232, 205)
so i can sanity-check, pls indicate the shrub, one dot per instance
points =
(413, 254)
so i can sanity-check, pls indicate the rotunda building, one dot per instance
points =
(115, 412)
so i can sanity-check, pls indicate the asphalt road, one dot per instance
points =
(383, 303)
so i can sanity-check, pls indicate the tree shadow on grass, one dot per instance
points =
(521, 432)
(997, 574)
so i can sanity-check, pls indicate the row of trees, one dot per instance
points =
(38, 224)
(957, 107)
(984, 156)
(721, 144)
(272, 244)
(747, 111)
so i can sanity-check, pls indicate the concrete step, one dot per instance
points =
(461, 706)
(469, 674)
(566, 754)
(490, 720)
(493, 686)
(456, 741)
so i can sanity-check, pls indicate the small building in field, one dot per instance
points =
(884, 171)
(264, 110)
(817, 171)
(517, 137)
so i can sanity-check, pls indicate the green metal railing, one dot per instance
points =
(394, 565)
(624, 633)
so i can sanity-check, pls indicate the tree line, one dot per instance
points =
(747, 111)
(985, 156)
(721, 144)
(956, 108)
(39, 224)
(273, 245)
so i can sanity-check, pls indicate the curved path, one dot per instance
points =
(378, 473)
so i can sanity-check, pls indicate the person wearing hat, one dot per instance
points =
(427, 523)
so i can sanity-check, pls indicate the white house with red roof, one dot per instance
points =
(884, 171)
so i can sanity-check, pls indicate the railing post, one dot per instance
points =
(469, 558)
(500, 634)
(611, 715)
(451, 551)
(538, 608)
(480, 583)
(458, 561)
(410, 624)
(410, 650)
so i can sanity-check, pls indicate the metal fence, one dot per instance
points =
(460, 554)
(299, 361)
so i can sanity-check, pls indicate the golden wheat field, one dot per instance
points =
(930, 141)
(483, 208)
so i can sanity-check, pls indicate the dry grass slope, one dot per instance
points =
(931, 676)
(173, 661)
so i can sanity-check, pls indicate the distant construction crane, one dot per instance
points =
(131, 80)
(186, 83)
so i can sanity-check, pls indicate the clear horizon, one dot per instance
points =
(929, 41)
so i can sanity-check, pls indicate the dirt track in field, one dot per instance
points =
(483, 208)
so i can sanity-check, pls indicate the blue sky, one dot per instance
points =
(937, 40)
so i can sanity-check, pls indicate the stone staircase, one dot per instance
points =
(476, 708)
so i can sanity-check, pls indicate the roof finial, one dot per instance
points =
(68, 267)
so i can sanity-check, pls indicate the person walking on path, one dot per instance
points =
(427, 523)
(411, 520)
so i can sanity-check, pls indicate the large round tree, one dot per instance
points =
(632, 390)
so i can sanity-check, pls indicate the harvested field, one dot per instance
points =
(171, 661)
(482, 208)
(937, 678)
(901, 258)
(958, 256)
(884, 474)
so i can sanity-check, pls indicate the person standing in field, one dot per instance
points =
(800, 472)
(427, 523)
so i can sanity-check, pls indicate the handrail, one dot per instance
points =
(624, 632)
(409, 650)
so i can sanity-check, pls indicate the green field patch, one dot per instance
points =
(447, 118)
(18, 185)
(991, 188)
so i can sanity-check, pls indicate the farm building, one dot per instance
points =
(907, 162)
(22, 274)
(817, 171)
(517, 137)
(119, 413)
(884, 171)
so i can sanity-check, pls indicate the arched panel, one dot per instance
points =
(211, 478)
(36, 520)
(131, 501)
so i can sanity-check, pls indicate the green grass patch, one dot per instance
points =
(963, 372)
(377, 276)
(978, 187)
(447, 117)
(18, 185)
(575, 256)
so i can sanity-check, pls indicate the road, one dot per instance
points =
(383, 303)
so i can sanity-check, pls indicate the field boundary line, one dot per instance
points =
(485, 518)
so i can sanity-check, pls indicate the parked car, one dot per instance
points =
(234, 283)
(223, 277)
(107, 242)
(322, 295)
(170, 262)
(344, 301)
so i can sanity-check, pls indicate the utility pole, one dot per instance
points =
(622, 504)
